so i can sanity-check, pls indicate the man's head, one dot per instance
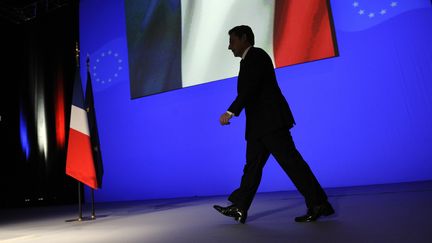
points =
(241, 37)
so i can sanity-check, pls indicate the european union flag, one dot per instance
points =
(359, 15)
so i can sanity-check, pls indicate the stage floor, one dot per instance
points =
(379, 213)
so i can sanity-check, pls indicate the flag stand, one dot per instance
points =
(93, 215)
(75, 169)
(80, 217)
(79, 202)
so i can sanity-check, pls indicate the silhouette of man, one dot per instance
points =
(268, 123)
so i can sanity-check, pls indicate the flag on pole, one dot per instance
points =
(79, 160)
(94, 135)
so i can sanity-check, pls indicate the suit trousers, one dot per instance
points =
(281, 145)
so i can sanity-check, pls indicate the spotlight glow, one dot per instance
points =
(23, 134)
(60, 112)
(41, 126)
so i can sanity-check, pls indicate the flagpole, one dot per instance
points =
(77, 51)
(79, 202)
(93, 216)
(80, 218)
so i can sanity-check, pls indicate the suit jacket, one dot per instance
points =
(259, 94)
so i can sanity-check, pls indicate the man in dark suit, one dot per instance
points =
(268, 123)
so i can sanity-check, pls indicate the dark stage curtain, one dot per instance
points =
(37, 73)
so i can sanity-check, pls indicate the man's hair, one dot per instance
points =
(241, 30)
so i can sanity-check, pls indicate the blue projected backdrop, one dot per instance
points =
(363, 117)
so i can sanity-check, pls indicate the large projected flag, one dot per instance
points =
(181, 43)
(81, 162)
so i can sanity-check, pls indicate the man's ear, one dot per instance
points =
(244, 38)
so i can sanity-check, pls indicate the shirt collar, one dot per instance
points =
(245, 52)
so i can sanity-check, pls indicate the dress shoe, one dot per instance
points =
(315, 212)
(232, 211)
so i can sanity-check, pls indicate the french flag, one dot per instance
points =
(79, 160)
(180, 43)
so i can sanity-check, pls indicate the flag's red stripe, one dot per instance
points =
(79, 161)
(302, 32)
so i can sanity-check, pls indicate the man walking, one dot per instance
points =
(268, 123)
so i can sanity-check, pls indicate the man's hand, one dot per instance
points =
(224, 119)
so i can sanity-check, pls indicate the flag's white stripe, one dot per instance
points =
(79, 120)
(205, 26)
